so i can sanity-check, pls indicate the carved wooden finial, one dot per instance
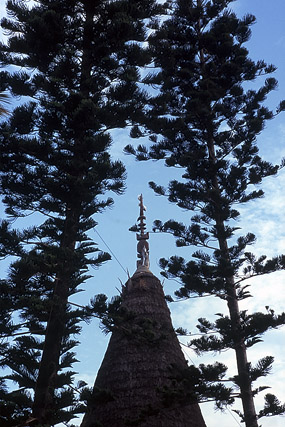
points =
(142, 237)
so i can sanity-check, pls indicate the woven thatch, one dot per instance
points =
(138, 365)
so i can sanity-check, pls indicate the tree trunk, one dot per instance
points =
(45, 386)
(241, 358)
(49, 366)
(232, 301)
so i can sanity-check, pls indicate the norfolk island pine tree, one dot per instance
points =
(78, 65)
(206, 121)
(9, 246)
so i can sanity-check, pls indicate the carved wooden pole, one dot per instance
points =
(142, 237)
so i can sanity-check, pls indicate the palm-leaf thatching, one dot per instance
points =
(136, 383)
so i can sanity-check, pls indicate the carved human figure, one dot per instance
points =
(142, 246)
(143, 253)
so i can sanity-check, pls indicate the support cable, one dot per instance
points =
(109, 249)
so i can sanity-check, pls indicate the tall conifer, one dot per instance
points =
(205, 121)
(77, 64)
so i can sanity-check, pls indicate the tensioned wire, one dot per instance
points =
(107, 246)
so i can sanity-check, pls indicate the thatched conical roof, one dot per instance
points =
(136, 375)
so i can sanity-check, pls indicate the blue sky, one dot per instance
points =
(264, 217)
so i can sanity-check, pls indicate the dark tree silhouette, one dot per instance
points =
(76, 63)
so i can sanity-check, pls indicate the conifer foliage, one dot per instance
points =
(76, 64)
(205, 120)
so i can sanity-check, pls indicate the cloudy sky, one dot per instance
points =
(264, 217)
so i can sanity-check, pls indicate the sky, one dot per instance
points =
(264, 217)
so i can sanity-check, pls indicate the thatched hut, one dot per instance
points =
(136, 384)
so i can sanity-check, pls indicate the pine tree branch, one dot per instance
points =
(39, 332)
